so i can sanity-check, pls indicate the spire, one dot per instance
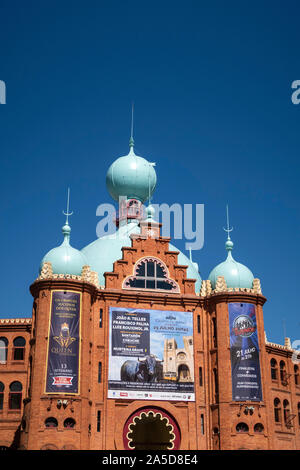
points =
(229, 243)
(131, 141)
(66, 229)
(150, 211)
(131, 175)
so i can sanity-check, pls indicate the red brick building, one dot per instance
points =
(222, 385)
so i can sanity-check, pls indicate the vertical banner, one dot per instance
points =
(62, 375)
(151, 354)
(244, 351)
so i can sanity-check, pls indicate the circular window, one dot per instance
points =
(258, 427)
(151, 429)
(51, 423)
(69, 423)
(242, 427)
(181, 356)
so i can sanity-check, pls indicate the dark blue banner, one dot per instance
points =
(63, 343)
(130, 332)
(244, 351)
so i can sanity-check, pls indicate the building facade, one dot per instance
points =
(129, 348)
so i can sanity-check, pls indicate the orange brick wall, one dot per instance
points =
(211, 351)
(10, 371)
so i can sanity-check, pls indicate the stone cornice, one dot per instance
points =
(15, 324)
(239, 296)
(62, 283)
(279, 350)
(145, 296)
(15, 321)
(123, 295)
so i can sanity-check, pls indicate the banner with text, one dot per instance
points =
(151, 354)
(244, 350)
(63, 343)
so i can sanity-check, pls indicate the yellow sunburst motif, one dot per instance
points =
(64, 339)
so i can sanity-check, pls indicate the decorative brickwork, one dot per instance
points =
(213, 421)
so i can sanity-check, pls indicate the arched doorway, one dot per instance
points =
(151, 429)
(184, 373)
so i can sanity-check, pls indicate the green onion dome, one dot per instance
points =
(65, 259)
(131, 176)
(235, 274)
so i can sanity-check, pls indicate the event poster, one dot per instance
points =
(244, 350)
(151, 354)
(62, 374)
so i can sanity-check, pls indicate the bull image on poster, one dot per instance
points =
(62, 374)
(244, 351)
(151, 354)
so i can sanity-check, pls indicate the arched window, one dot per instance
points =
(277, 410)
(274, 369)
(296, 372)
(216, 381)
(19, 349)
(183, 373)
(214, 331)
(258, 427)
(69, 423)
(49, 447)
(3, 349)
(242, 427)
(150, 273)
(15, 396)
(1, 395)
(283, 372)
(51, 422)
(286, 412)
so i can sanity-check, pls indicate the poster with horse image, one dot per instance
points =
(151, 354)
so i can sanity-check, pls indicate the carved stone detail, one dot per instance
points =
(221, 284)
(46, 271)
(206, 288)
(256, 286)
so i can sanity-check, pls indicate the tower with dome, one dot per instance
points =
(130, 348)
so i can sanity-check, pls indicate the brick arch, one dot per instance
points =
(158, 413)
(49, 447)
(241, 419)
(129, 410)
(175, 287)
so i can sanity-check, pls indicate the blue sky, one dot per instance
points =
(211, 83)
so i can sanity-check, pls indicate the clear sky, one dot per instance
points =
(211, 83)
